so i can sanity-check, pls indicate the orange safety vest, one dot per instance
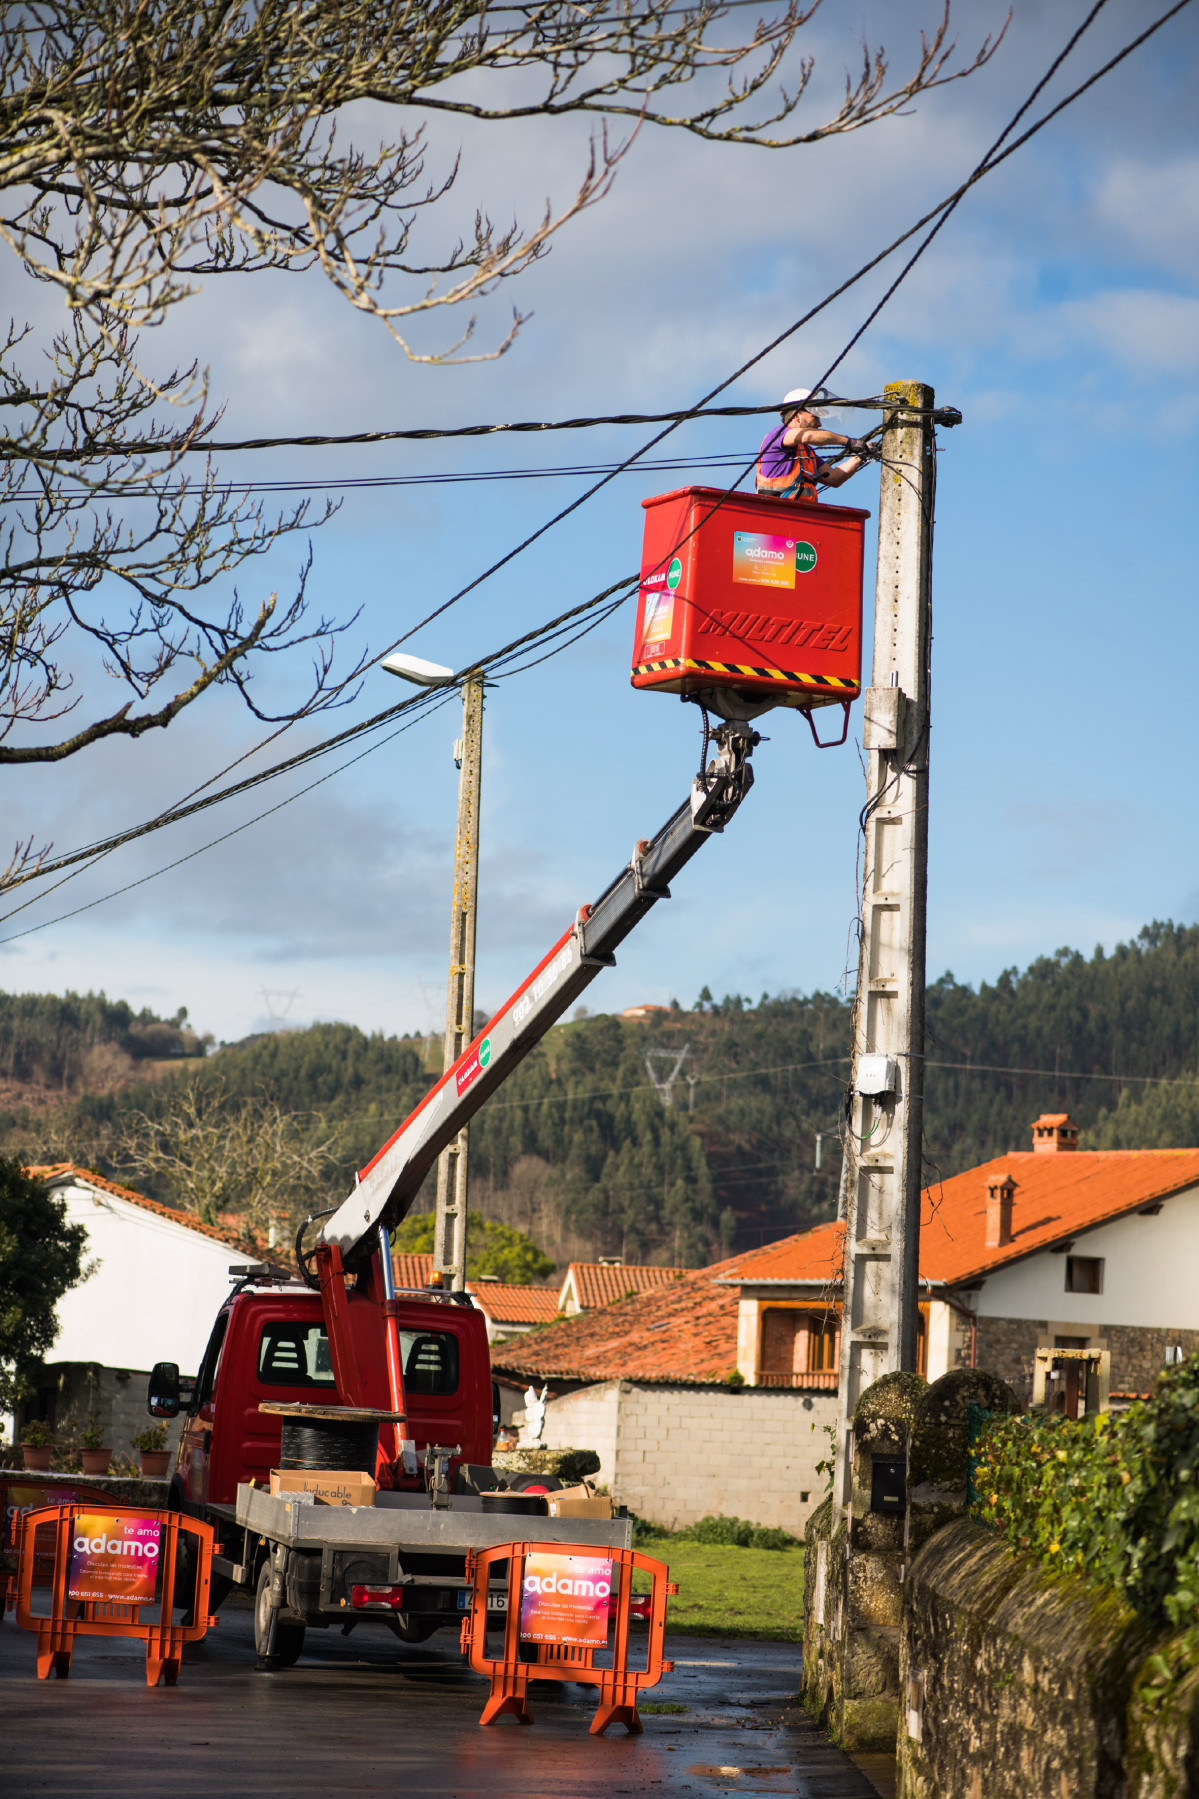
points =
(796, 483)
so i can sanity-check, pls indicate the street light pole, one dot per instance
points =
(449, 1224)
(449, 1231)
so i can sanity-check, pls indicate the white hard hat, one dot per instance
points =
(798, 396)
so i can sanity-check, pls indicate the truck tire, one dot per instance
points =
(289, 1633)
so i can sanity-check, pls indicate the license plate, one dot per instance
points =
(496, 1602)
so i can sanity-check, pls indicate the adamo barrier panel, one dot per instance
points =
(21, 1492)
(109, 1564)
(561, 1606)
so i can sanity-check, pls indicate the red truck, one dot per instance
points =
(338, 1336)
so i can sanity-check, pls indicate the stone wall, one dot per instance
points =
(1139, 1354)
(856, 1558)
(1005, 1347)
(1016, 1682)
(674, 1454)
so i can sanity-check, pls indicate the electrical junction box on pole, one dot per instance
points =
(746, 592)
(876, 1075)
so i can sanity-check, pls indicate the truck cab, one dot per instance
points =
(271, 1344)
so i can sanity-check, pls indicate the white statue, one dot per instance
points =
(534, 1417)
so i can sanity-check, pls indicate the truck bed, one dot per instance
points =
(406, 1521)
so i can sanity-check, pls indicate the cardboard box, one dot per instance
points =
(578, 1502)
(328, 1487)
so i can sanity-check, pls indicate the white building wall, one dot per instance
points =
(675, 1454)
(1148, 1274)
(153, 1293)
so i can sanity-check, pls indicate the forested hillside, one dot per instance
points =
(579, 1149)
(51, 1045)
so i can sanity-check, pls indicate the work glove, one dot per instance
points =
(857, 446)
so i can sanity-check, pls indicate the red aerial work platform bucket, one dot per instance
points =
(752, 594)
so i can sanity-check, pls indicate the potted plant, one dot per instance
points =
(36, 1445)
(151, 1446)
(94, 1452)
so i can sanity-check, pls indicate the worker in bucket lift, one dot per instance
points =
(788, 464)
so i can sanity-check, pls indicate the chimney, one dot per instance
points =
(1001, 1191)
(1054, 1134)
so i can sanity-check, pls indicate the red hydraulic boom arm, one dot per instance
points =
(389, 1183)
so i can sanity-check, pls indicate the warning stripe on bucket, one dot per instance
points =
(687, 666)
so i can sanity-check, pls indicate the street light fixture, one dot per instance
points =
(449, 1230)
(417, 670)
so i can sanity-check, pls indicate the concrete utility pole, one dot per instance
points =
(449, 1234)
(882, 1176)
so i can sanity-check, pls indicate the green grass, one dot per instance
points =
(726, 1591)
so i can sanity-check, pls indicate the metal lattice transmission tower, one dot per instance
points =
(664, 1083)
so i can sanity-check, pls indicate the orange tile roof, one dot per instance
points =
(411, 1268)
(506, 1303)
(53, 1172)
(675, 1330)
(1057, 1196)
(686, 1330)
(600, 1283)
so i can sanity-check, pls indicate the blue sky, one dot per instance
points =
(1058, 310)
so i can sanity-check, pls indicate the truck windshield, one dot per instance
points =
(297, 1355)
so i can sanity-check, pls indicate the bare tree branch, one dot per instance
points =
(214, 1154)
(146, 143)
(135, 587)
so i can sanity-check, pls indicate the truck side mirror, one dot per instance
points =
(163, 1397)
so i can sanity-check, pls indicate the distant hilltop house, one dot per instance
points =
(157, 1279)
(643, 1012)
(1066, 1271)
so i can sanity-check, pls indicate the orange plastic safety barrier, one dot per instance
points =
(109, 1564)
(563, 1615)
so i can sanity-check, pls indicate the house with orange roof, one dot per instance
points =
(685, 1387)
(591, 1284)
(154, 1282)
(1089, 1252)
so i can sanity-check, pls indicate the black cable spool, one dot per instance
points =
(334, 1445)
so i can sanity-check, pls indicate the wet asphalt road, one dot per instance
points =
(365, 1714)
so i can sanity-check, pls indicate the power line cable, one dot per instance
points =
(349, 483)
(421, 703)
(992, 161)
(416, 434)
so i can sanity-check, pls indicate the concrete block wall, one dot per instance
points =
(676, 1453)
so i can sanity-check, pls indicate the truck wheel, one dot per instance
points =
(289, 1635)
